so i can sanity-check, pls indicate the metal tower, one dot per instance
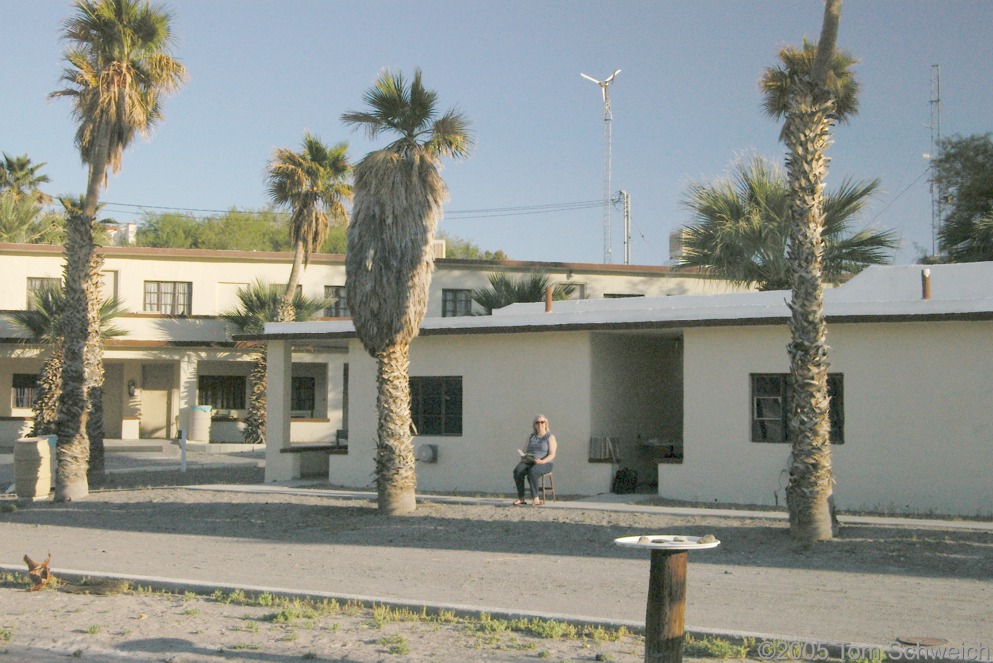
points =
(607, 140)
(935, 148)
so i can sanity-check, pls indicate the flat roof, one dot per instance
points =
(878, 294)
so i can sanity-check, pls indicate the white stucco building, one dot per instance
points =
(178, 353)
(690, 392)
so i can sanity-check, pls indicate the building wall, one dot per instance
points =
(917, 407)
(505, 382)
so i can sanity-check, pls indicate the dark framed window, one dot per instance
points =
(37, 284)
(303, 390)
(168, 297)
(25, 390)
(771, 407)
(222, 392)
(436, 405)
(338, 308)
(455, 303)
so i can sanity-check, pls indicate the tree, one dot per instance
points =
(741, 226)
(399, 193)
(118, 70)
(458, 248)
(42, 321)
(312, 183)
(260, 303)
(504, 291)
(812, 89)
(964, 174)
(22, 179)
(23, 221)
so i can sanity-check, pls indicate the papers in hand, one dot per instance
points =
(526, 456)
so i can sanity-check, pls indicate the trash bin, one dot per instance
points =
(199, 423)
(33, 467)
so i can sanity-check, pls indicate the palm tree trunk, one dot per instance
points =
(286, 312)
(46, 405)
(73, 447)
(395, 476)
(94, 375)
(255, 419)
(807, 134)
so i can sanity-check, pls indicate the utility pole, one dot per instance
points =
(935, 148)
(625, 199)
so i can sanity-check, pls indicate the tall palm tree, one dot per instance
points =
(42, 320)
(260, 303)
(118, 70)
(19, 176)
(399, 192)
(741, 226)
(812, 89)
(504, 291)
(313, 184)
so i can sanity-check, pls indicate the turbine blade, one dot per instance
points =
(590, 78)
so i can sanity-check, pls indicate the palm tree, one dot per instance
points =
(504, 291)
(42, 322)
(312, 183)
(22, 179)
(741, 227)
(118, 70)
(812, 89)
(23, 221)
(399, 192)
(260, 303)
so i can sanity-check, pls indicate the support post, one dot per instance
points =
(664, 618)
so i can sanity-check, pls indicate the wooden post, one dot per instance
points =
(664, 619)
(548, 299)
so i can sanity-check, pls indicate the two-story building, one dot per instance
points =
(178, 352)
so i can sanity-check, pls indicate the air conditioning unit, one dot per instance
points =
(426, 453)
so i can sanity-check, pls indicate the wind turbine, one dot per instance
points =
(607, 117)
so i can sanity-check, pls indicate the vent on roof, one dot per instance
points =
(438, 248)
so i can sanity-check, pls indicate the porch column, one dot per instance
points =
(279, 466)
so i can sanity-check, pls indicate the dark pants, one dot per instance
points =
(533, 472)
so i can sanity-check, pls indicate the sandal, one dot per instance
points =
(519, 503)
(537, 503)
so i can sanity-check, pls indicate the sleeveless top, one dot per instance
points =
(538, 446)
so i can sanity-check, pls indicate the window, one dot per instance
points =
(455, 302)
(770, 407)
(222, 392)
(168, 297)
(37, 284)
(338, 308)
(25, 390)
(302, 392)
(436, 405)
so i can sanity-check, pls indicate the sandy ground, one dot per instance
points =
(872, 584)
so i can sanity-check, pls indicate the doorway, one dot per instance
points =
(156, 401)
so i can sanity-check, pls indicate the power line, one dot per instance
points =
(131, 208)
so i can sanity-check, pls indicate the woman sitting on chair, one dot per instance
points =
(537, 460)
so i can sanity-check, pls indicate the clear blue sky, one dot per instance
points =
(685, 104)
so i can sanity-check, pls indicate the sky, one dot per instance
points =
(685, 105)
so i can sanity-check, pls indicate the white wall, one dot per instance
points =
(918, 417)
(506, 381)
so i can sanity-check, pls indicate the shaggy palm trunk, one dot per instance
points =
(73, 449)
(807, 134)
(396, 480)
(256, 417)
(46, 405)
(94, 376)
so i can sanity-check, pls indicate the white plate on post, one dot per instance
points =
(666, 542)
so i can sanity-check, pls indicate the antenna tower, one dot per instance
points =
(935, 147)
(607, 140)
